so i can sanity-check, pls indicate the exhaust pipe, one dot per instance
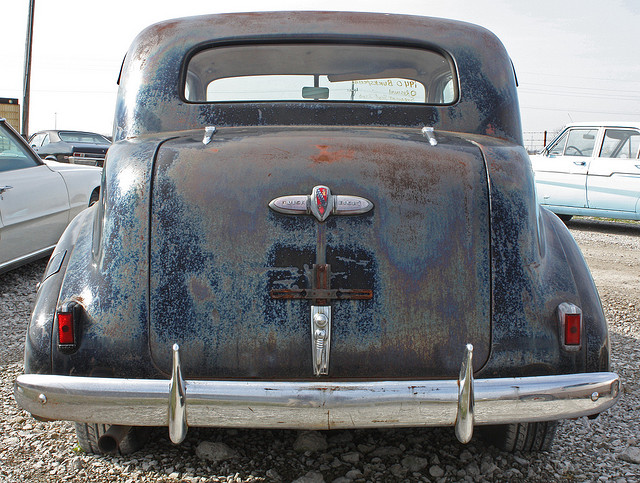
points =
(110, 441)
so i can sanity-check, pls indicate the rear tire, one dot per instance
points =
(521, 436)
(88, 435)
(95, 196)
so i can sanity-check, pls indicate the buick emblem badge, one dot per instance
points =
(321, 203)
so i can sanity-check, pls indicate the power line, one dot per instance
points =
(586, 95)
(523, 84)
(581, 110)
(608, 79)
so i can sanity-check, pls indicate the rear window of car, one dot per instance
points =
(83, 137)
(321, 72)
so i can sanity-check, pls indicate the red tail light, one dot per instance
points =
(570, 319)
(68, 316)
(572, 323)
(66, 334)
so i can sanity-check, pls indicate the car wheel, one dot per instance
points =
(89, 434)
(521, 436)
(565, 218)
(95, 196)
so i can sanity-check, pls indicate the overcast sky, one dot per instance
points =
(576, 60)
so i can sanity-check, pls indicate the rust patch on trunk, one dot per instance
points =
(327, 156)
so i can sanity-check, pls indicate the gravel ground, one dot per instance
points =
(606, 449)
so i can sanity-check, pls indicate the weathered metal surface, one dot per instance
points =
(149, 98)
(322, 294)
(217, 252)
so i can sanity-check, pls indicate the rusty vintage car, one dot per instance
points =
(317, 220)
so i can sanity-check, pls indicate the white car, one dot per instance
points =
(591, 169)
(38, 199)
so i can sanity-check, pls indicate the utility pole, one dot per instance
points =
(26, 91)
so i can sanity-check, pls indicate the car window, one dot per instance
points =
(320, 72)
(36, 140)
(580, 142)
(557, 148)
(46, 140)
(14, 155)
(82, 137)
(620, 143)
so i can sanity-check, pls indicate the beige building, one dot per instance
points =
(10, 110)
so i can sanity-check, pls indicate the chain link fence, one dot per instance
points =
(534, 141)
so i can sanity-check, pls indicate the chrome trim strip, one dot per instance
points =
(24, 258)
(177, 401)
(464, 418)
(85, 160)
(318, 404)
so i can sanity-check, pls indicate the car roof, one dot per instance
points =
(629, 124)
(66, 130)
(150, 98)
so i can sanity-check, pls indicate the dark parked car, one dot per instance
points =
(317, 220)
(76, 147)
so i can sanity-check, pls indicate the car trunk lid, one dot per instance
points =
(220, 256)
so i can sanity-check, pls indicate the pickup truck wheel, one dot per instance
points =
(89, 434)
(521, 436)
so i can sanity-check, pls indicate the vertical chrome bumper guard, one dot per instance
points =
(464, 418)
(177, 401)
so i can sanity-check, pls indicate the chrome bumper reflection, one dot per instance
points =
(86, 161)
(179, 403)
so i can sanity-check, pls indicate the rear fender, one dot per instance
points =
(536, 266)
(39, 342)
(594, 322)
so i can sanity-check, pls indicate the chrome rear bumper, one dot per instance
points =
(177, 403)
(86, 161)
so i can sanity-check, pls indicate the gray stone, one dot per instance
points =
(630, 455)
(398, 471)
(465, 455)
(311, 477)
(472, 469)
(414, 463)
(521, 461)
(310, 441)
(386, 451)
(366, 448)
(273, 475)
(488, 467)
(215, 452)
(351, 457)
(436, 471)
(354, 474)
